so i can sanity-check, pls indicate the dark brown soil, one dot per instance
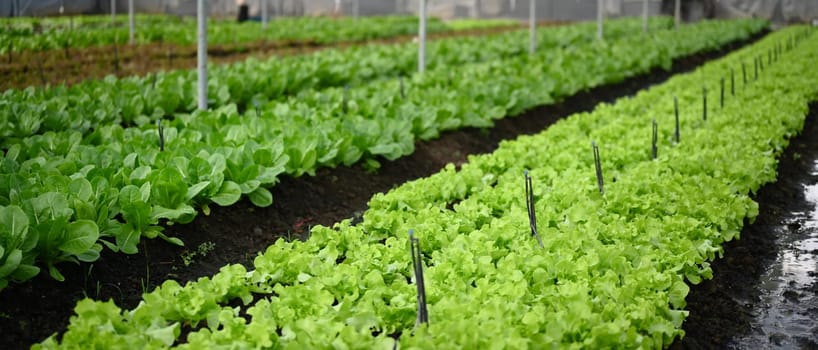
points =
(718, 308)
(32, 311)
(72, 65)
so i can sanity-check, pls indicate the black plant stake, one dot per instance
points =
(42, 74)
(760, 63)
(346, 97)
(732, 82)
(402, 89)
(598, 165)
(743, 73)
(676, 112)
(653, 150)
(9, 51)
(721, 100)
(258, 110)
(116, 57)
(161, 134)
(529, 203)
(153, 81)
(417, 264)
(704, 103)
(769, 56)
(756, 67)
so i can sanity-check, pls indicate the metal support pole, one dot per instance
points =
(532, 23)
(131, 23)
(422, 38)
(645, 15)
(600, 13)
(113, 13)
(201, 17)
(264, 16)
(677, 13)
(356, 9)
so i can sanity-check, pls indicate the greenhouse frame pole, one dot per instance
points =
(600, 11)
(422, 38)
(201, 17)
(131, 23)
(264, 16)
(677, 13)
(356, 9)
(645, 15)
(113, 13)
(532, 24)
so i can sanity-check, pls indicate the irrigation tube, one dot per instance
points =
(201, 17)
(532, 23)
(422, 37)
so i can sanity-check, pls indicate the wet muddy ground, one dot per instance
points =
(723, 312)
(765, 291)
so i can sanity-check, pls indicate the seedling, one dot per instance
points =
(417, 265)
(529, 203)
(598, 165)
(653, 149)
(676, 112)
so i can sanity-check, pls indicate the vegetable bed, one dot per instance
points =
(617, 261)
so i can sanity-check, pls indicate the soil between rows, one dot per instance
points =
(724, 308)
(32, 311)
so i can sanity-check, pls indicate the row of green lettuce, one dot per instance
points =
(26, 34)
(115, 186)
(611, 270)
(139, 100)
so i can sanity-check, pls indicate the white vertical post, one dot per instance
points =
(131, 23)
(201, 18)
(422, 38)
(356, 8)
(532, 24)
(113, 13)
(600, 11)
(645, 15)
(677, 13)
(264, 16)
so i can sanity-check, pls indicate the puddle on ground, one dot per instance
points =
(787, 313)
